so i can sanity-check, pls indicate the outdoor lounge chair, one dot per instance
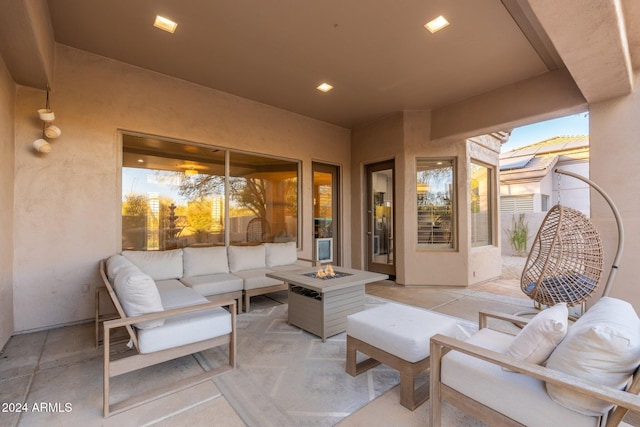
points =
(589, 379)
(188, 324)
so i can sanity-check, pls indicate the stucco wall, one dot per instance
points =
(7, 101)
(375, 142)
(614, 165)
(406, 137)
(429, 267)
(68, 209)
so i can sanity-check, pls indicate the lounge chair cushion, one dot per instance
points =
(138, 294)
(160, 265)
(541, 335)
(278, 254)
(246, 257)
(204, 261)
(519, 397)
(185, 328)
(603, 346)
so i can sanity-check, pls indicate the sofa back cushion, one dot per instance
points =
(246, 257)
(160, 265)
(114, 264)
(278, 254)
(203, 261)
(138, 295)
(603, 346)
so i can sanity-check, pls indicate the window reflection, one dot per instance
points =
(481, 202)
(173, 195)
(263, 199)
(435, 196)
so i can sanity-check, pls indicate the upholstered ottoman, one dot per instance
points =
(398, 336)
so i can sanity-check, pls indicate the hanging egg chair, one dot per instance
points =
(565, 262)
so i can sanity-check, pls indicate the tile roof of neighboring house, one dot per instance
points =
(534, 161)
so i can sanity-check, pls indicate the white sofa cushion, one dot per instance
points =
(160, 265)
(290, 267)
(256, 278)
(246, 257)
(603, 346)
(278, 254)
(214, 284)
(541, 335)
(185, 329)
(401, 330)
(175, 295)
(203, 261)
(114, 264)
(138, 294)
(520, 397)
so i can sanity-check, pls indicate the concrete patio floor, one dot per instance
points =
(58, 366)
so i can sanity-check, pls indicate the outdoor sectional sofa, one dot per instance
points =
(218, 273)
(178, 302)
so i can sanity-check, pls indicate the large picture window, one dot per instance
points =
(481, 204)
(177, 194)
(435, 197)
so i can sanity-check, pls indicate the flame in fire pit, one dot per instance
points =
(326, 272)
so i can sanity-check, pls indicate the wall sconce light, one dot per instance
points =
(49, 130)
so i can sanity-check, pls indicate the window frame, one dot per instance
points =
(452, 232)
(490, 203)
(175, 157)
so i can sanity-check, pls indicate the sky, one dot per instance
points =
(570, 125)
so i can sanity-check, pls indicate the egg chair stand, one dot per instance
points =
(565, 262)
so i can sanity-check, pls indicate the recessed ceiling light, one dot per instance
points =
(165, 24)
(140, 161)
(324, 87)
(436, 24)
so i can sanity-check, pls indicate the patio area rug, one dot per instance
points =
(288, 377)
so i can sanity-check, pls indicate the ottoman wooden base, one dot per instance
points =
(410, 398)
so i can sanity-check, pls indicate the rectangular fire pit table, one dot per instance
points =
(321, 305)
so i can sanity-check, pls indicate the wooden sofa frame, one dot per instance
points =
(440, 345)
(139, 360)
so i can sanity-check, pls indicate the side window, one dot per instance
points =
(435, 201)
(481, 198)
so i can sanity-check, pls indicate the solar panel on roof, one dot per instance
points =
(515, 162)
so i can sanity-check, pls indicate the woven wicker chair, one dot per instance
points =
(258, 231)
(566, 259)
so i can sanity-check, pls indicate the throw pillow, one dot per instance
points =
(541, 335)
(138, 295)
(114, 264)
(603, 346)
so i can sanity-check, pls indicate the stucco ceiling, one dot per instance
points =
(376, 54)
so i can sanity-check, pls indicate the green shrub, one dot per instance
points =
(518, 234)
